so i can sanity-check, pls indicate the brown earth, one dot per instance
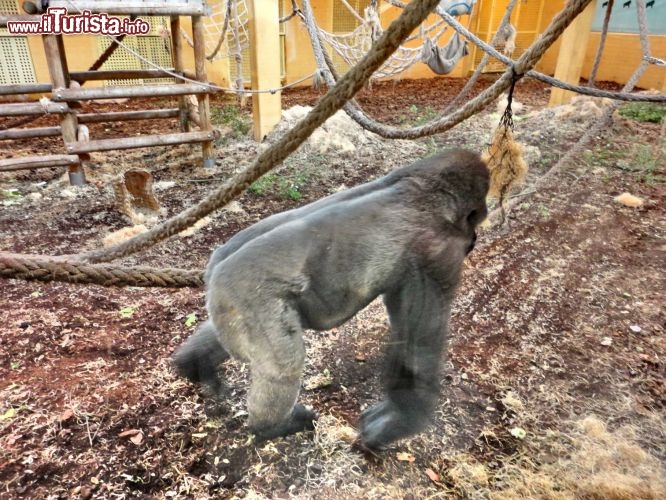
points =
(554, 383)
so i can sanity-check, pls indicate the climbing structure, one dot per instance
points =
(66, 89)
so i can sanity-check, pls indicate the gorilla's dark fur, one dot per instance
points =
(403, 236)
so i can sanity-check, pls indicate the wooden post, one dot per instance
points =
(207, 148)
(177, 57)
(265, 65)
(572, 54)
(55, 57)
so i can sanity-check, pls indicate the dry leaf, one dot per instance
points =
(137, 438)
(403, 456)
(434, 477)
(66, 415)
(129, 433)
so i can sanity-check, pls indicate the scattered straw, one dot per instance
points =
(123, 234)
(629, 200)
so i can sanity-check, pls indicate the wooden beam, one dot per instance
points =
(26, 88)
(572, 54)
(27, 133)
(141, 141)
(143, 8)
(265, 65)
(33, 108)
(38, 162)
(59, 71)
(81, 94)
(177, 58)
(121, 116)
(129, 74)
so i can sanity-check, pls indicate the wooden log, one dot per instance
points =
(80, 94)
(59, 71)
(108, 52)
(27, 88)
(207, 149)
(121, 116)
(26, 133)
(33, 108)
(130, 74)
(177, 58)
(141, 141)
(29, 162)
(144, 8)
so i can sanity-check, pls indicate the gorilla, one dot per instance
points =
(403, 236)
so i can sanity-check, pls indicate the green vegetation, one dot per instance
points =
(285, 184)
(643, 160)
(191, 319)
(231, 116)
(10, 196)
(127, 312)
(417, 116)
(644, 111)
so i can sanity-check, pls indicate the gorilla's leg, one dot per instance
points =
(200, 355)
(271, 341)
(418, 312)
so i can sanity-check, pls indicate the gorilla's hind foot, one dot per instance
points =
(301, 419)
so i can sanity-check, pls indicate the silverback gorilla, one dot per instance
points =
(403, 236)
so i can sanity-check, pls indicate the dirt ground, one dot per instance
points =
(554, 383)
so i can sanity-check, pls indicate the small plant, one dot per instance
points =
(191, 319)
(127, 312)
(263, 184)
(231, 115)
(10, 196)
(283, 184)
(418, 116)
(644, 111)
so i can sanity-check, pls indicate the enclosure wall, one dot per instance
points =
(622, 55)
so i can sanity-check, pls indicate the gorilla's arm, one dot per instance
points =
(418, 311)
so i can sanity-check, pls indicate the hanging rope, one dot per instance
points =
(521, 66)
(602, 44)
(506, 19)
(223, 32)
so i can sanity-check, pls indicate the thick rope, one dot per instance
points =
(349, 84)
(32, 268)
(223, 33)
(521, 66)
(446, 122)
